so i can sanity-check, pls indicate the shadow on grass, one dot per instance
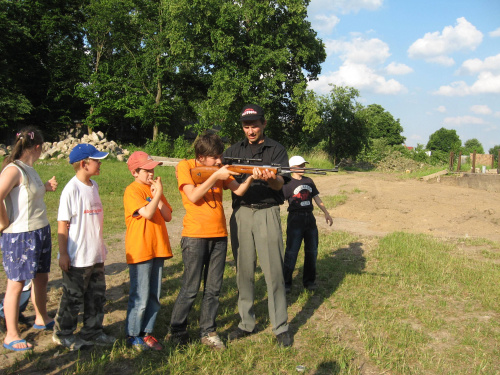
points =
(332, 268)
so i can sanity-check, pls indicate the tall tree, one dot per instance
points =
(42, 60)
(382, 125)
(261, 52)
(444, 140)
(345, 131)
(108, 26)
(471, 146)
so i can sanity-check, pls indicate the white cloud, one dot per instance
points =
(343, 6)
(486, 83)
(481, 109)
(463, 120)
(474, 66)
(325, 24)
(398, 69)
(497, 114)
(360, 50)
(441, 109)
(358, 76)
(435, 46)
(495, 33)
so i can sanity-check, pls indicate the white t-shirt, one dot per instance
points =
(81, 206)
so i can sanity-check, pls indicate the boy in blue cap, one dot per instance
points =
(81, 254)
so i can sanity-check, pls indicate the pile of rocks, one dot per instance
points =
(61, 149)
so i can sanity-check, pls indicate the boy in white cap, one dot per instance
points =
(301, 224)
(82, 254)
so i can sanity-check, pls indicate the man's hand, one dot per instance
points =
(64, 262)
(263, 174)
(51, 185)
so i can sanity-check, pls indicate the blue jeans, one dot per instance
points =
(301, 226)
(202, 257)
(144, 296)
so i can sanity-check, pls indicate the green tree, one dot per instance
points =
(472, 145)
(345, 132)
(256, 51)
(382, 125)
(494, 151)
(444, 140)
(108, 27)
(42, 60)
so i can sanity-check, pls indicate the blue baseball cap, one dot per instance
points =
(84, 151)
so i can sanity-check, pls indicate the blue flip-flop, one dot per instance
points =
(48, 326)
(10, 346)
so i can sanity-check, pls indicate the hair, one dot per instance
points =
(26, 139)
(76, 165)
(208, 144)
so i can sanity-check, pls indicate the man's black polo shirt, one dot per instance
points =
(271, 152)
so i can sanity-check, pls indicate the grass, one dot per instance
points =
(401, 304)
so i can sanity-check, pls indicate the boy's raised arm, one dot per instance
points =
(149, 210)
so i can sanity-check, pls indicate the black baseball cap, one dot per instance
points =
(251, 112)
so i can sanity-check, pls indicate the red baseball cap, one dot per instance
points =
(140, 159)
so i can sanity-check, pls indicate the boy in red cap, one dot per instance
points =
(147, 246)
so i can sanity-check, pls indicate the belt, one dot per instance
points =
(259, 206)
(301, 212)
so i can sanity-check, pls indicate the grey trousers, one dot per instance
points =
(258, 232)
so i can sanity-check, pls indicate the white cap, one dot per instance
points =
(296, 160)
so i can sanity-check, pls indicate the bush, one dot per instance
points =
(183, 149)
(159, 147)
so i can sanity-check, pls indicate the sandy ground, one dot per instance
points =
(376, 204)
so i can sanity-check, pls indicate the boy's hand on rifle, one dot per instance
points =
(223, 173)
(156, 186)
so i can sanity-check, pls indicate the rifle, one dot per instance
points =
(244, 166)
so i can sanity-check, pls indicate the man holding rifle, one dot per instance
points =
(255, 226)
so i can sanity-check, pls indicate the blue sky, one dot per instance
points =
(430, 63)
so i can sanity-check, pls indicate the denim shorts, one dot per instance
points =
(26, 254)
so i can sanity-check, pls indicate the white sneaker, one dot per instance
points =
(71, 342)
(213, 340)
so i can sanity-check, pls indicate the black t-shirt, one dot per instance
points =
(271, 152)
(300, 194)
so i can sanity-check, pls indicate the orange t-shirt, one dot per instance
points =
(144, 239)
(205, 218)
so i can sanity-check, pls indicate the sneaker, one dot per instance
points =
(178, 338)
(103, 340)
(284, 339)
(137, 343)
(213, 340)
(238, 333)
(152, 343)
(71, 342)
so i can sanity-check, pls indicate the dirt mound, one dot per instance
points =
(397, 162)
